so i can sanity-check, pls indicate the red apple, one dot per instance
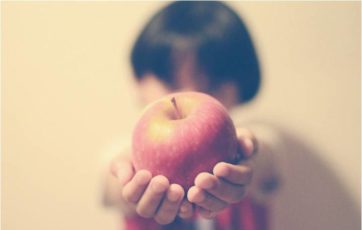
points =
(183, 134)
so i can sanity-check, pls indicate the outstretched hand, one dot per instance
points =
(228, 183)
(150, 197)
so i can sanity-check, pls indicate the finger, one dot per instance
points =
(247, 142)
(243, 132)
(125, 173)
(248, 147)
(236, 174)
(219, 188)
(170, 205)
(133, 190)
(152, 197)
(205, 200)
(123, 170)
(186, 210)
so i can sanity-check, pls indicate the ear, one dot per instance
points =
(151, 88)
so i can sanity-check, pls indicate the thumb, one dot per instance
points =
(247, 143)
(122, 169)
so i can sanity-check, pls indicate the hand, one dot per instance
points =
(150, 197)
(227, 185)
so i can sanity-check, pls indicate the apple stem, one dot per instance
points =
(178, 112)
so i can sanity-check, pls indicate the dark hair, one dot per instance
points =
(216, 34)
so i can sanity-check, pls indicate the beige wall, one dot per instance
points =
(67, 93)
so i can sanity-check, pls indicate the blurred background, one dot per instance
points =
(68, 95)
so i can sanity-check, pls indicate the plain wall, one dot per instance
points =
(67, 93)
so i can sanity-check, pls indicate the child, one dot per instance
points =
(197, 46)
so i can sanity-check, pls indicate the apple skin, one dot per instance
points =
(180, 149)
